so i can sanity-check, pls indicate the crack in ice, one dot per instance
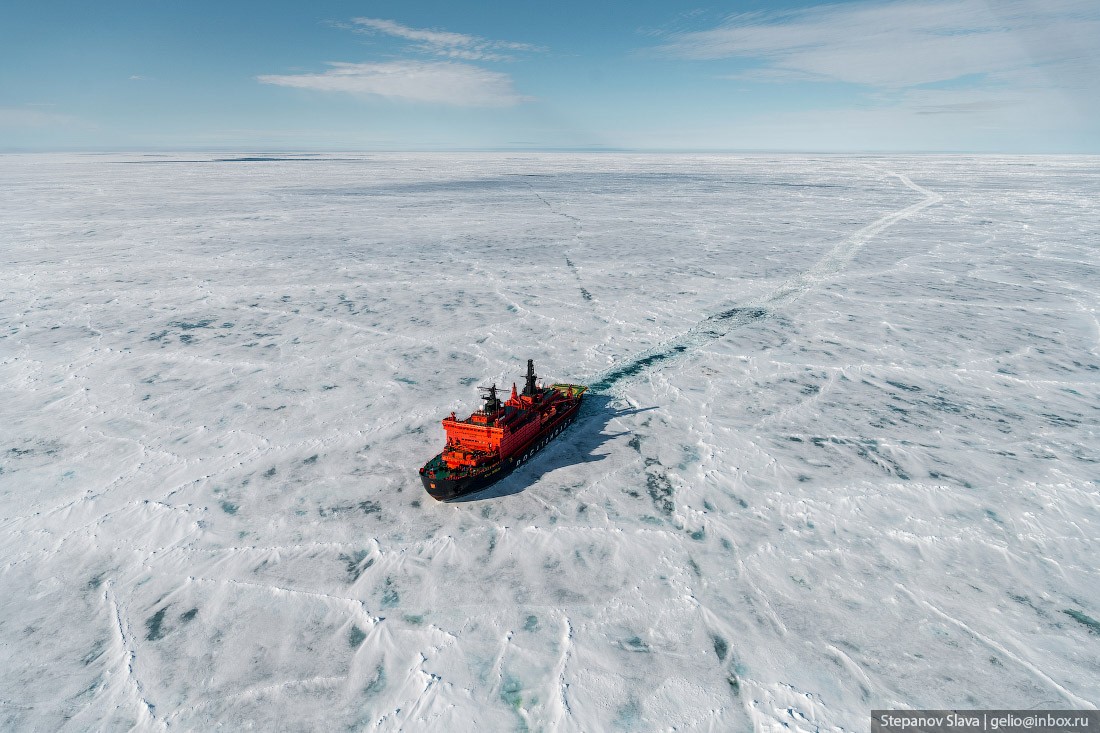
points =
(721, 324)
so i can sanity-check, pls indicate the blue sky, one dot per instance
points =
(908, 75)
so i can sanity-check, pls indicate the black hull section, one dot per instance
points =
(447, 489)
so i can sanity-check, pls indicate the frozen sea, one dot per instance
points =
(843, 454)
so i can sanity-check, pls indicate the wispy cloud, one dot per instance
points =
(445, 43)
(906, 44)
(452, 82)
(440, 82)
(32, 115)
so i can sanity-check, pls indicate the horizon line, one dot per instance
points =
(593, 149)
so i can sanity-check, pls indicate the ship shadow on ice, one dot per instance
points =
(578, 444)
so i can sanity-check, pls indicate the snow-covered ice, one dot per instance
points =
(845, 453)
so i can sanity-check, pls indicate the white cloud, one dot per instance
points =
(916, 119)
(31, 117)
(445, 43)
(935, 74)
(441, 82)
(905, 44)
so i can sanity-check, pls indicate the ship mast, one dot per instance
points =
(531, 388)
(492, 404)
